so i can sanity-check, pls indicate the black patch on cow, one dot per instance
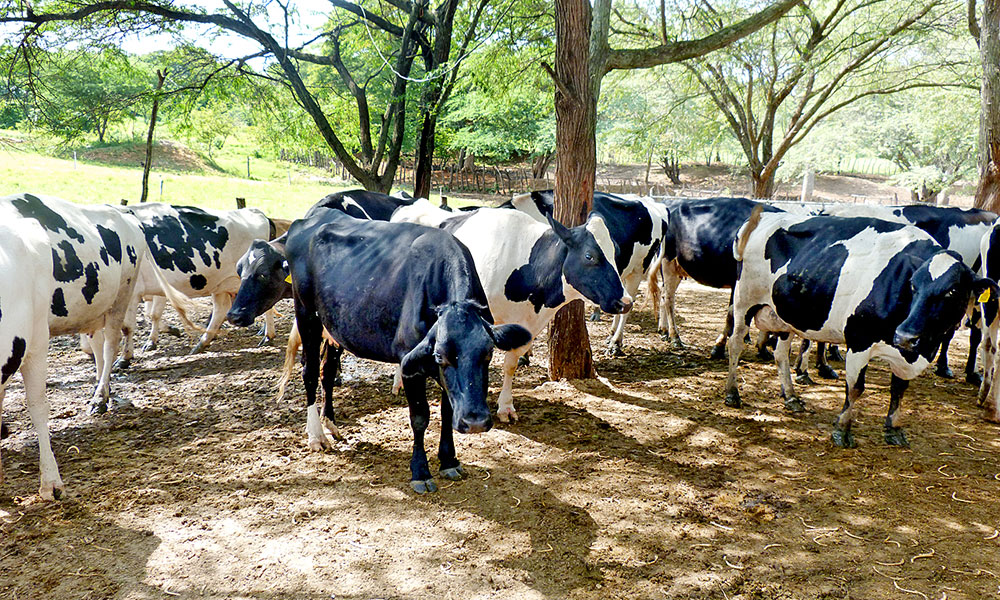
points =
(751, 313)
(452, 224)
(175, 239)
(373, 205)
(69, 269)
(112, 244)
(628, 222)
(132, 257)
(653, 251)
(803, 296)
(14, 361)
(198, 282)
(91, 285)
(939, 222)
(818, 232)
(540, 280)
(31, 207)
(59, 304)
(876, 318)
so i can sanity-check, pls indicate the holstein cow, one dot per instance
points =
(957, 229)
(530, 271)
(25, 264)
(699, 244)
(882, 289)
(397, 293)
(989, 390)
(97, 252)
(362, 204)
(197, 251)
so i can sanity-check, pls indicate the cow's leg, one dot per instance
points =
(128, 333)
(269, 331)
(617, 334)
(668, 318)
(894, 435)
(989, 391)
(505, 410)
(311, 333)
(154, 312)
(942, 369)
(782, 352)
(112, 336)
(823, 368)
(802, 364)
(735, 347)
(595, 315)
(525, 359)
(221, 304)
(856, 366)
(99, 400)
(416, 398)
(975, 337)
(33, 370)
(331, 376)
(763, 339)
(3, 431)
(833, 353)
(451, 468)
(718, 351)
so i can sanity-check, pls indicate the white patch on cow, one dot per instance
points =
(525, 204)
(421, 212)
(318, 441)
(940, 265)
(348, 201)
(597, 228)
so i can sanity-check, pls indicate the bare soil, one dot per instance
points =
(641, 484)
(167, 155)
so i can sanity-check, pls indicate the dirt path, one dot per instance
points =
(640, 485)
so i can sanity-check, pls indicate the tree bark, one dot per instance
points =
(570, 355)
(160, 77)
(988, 190)
(762, 184)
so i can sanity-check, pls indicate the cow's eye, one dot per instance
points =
(441, 359)
(589, 257)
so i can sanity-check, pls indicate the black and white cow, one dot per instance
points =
(636, 226)
(97, 252)
(882, 289)
(196, 250)
(957, 229)
(362, 204)
(25, 267)
(530, 271)
(404, 294)
(989, 390)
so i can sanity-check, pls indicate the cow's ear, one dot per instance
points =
(561, 230)
(509, 337)
(985, 290)
(420, 360)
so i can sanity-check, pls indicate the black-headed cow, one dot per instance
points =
(398, 293)
(882, 289)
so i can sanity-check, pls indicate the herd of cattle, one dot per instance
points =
(399, 280)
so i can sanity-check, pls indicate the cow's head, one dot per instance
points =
(590, 264)
(456, 352)
(941, 288)
(263, 273)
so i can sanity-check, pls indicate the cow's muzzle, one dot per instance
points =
(240, 318)
(620, 306)
(474, 423)
(905, 341)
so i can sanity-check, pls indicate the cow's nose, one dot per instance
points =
(478, 423)
(239, 318)
(626, 303)
(904, 340)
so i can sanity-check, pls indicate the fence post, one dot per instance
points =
(124, 201)
(241, 203)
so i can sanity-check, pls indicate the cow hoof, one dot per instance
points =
(98, 408)
(765, 354)
(614, 351)
(52, 491)
(827, 372)
(332, 428)
(320, 444)
(894, 436)
(596, 315)
(197, 348)
(424, 487)
(524, 361)
(733, 399)
(123, 363)
(677, 344)
(148, 347)
(944, 372)
(795, 405)
(453, 474)
(174, 331)
(506, 415)
(832, 353)
(718, 353)
(4, 431)
(844, 439)
(804, 379)
(974, 379)
(991, 416)
(264, 341)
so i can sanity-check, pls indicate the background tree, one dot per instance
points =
(986, 32)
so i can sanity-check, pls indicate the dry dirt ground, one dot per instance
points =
(639, 485)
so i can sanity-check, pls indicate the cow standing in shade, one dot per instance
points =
(884, 290)
(404, 294)
(25, 261)
(196, 251)
(989, 389)
(97, 252)
(530, 271)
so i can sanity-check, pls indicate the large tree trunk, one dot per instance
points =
(576, 164)
(762, 184)
(988, 190)
(425, 158)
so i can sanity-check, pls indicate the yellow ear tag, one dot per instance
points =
(985, 296)
(289, 280)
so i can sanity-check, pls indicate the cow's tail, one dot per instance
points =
(291, 351)
(178, 299)
(744, 233)
(653, 283)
